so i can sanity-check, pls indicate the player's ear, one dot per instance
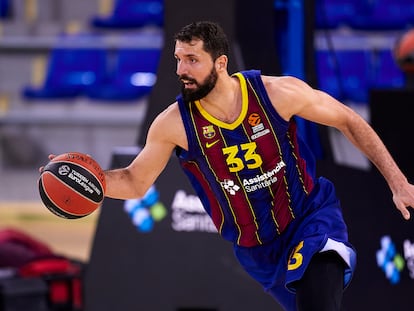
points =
(221, 62)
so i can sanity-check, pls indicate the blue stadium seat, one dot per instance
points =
(387, 74)
(4, 8)
(132, 78)
(71, 70)
(334, 13)
(344, 74)
(384, 15)
(365, 14)
(132, 14)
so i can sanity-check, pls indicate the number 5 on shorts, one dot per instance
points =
(296, 259)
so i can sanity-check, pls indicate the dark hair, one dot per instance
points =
(214, 39)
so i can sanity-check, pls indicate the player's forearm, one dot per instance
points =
(384, 162)
(121, 184)
(367, 140)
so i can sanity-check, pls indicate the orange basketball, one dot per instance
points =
(72, 185)
(404, 52)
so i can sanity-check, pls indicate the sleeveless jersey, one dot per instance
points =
(253, 175)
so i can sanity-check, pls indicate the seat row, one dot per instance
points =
(123, 74)
(365, 14)
(350, 74)
(124, 14)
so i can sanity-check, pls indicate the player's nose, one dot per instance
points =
(181, 69)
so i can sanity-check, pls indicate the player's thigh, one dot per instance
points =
(321, 287)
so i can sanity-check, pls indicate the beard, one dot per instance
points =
(202, 89)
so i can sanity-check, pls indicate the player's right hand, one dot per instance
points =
(50, 157)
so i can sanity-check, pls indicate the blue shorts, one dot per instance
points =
(277, 265)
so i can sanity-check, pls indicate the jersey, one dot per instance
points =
(256, 180)
(252, 175)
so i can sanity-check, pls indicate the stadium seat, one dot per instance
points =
(132, 78)
(72, 68)
(334, 13)
(4, 8)
(70, 72)
(386, 72)
(328, 73)
(344, 74)
(132, 14)
(383, 15)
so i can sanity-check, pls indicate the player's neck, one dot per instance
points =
(224, 102)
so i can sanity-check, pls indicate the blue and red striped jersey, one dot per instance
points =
(252, 175)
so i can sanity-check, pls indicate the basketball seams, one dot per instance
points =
(84, 161)
(94, 173)
(73, 189)
(95, 180)
(52, 206)
(72, 185)
(54, 198)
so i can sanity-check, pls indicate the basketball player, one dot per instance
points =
(236, 139)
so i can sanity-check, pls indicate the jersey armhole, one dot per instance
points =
(255, 78)
(184, 113)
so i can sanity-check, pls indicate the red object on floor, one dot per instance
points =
(64, 279)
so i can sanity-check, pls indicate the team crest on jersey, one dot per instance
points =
(208, 131)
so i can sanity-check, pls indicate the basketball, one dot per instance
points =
(72, 185)
(404, 52)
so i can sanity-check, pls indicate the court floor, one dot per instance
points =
(72, 238)
(21, 209)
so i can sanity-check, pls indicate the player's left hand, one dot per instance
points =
(403, 199)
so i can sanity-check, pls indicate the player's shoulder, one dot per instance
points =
(168, 121)
(286, 87)
(287, 94)
(169, 125)
(171, 113)
(282, 82)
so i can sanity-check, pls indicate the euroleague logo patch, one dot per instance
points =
(258, 128)
(76, 177)
(64, 170)
(254, 119)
